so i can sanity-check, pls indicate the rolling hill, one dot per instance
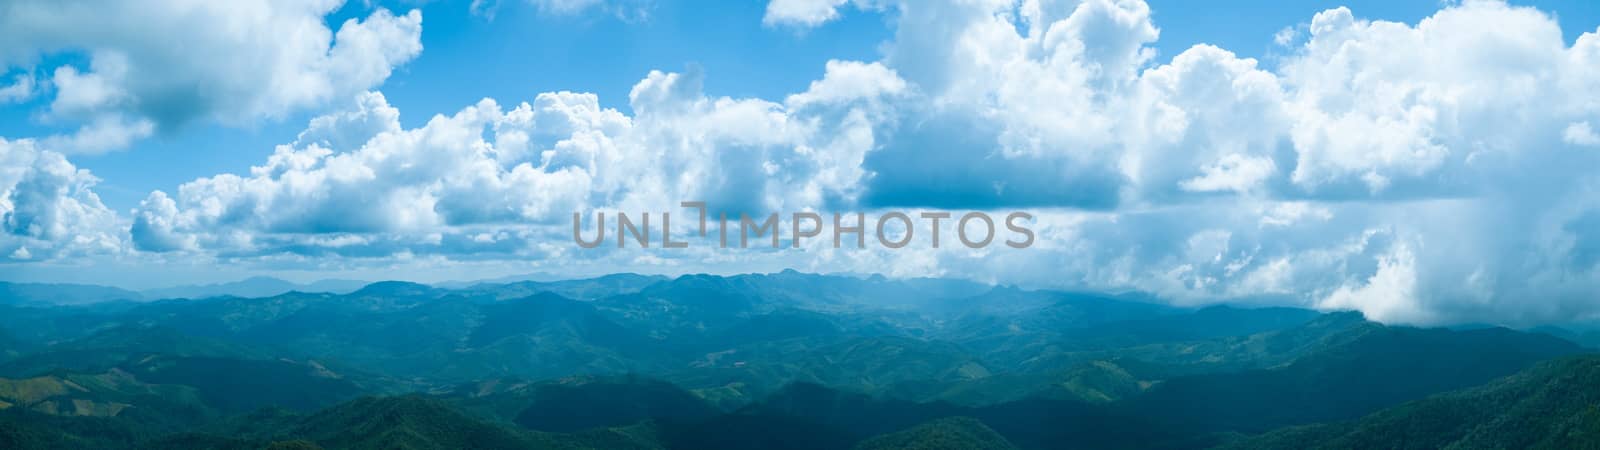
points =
(953, 433)
(1554, 405)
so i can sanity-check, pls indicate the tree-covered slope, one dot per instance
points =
(1381, 367)
(1554, 405)
(952, 433)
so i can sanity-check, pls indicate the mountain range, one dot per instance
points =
(48, 294)
(782, 360)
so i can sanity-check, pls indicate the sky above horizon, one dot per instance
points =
(1420, 161)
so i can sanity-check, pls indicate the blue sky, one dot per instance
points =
(1420, 161)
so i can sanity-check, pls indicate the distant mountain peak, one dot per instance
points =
(258, 286)
(261, 279)
(393, 288)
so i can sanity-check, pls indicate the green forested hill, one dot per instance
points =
(953, 433)
(1554, 405)
(1379, 367)
(115, 345)
(581, 403)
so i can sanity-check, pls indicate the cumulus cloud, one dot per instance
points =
(1383, 103)
(48, 208)
(457, 182)
(151, 69)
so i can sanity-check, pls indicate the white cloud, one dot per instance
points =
(358, 172)
(804, 13)
(102, 133)
(1232, 173)
(625, 10)
(1390, 295)
(48, 209)
(1579, 133)
(152, 67)
(1289, 213)
(350, 129)
(80, 94)
(1396, 105)
(154, 224)
(1286, 36)
(564, 6)
(20, 90)
(1208, 121)
(845, 81)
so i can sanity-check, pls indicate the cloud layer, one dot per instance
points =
(1444, 171)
